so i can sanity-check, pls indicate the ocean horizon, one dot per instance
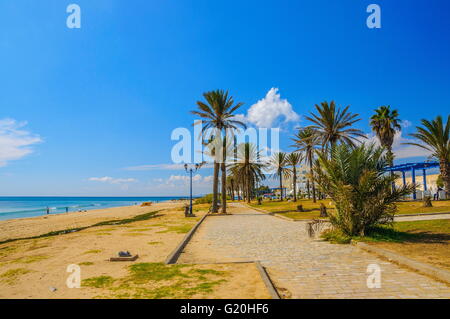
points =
(13, 207)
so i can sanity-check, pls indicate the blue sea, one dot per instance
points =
(22, 207)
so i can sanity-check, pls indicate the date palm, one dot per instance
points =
(333, 125)
(217, 112)
(248, 169)
(354, 179)
(306, 141)
(293, 160)
(278, 163)
(435, 138)
(385, 123)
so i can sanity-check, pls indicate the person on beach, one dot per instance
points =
(48, 210)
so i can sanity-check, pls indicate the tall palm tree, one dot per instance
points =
(333, 125)
(248, 169)
(306, 141)
(210, 151)
(293, 160)
(218, 113)
(385, 123)
(278, 163)
(435, 138)
(231, 185)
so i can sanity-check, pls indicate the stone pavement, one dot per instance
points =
(299, 266)
(400, 218)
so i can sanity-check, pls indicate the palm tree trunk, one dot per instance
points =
(295, 184)
(308, 189)
(281, 187)
(224, 187)
(312, 181)
(445, 173)
(232, 190)
(249, 185)
(214, 208)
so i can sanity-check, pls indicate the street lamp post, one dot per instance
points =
(191, 170)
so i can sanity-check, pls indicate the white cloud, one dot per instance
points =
(184, 178)
(208, 179)
(400, 150)
(267, 110)
(111, 180)
(15, 142)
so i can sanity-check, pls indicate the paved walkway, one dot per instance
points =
(299, 266)
(400, 218)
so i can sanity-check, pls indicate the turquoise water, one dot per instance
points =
(22, 207)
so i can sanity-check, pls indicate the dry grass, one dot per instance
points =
(28, 267)
(312, 210)
(289, 209)
(427, 241)
(442, 206)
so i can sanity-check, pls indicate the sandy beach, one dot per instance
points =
(35, 226)
(37, 268)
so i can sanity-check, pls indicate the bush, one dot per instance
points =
(335, 236)
(207, 199)
(354, 179)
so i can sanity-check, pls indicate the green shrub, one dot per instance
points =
(207, 199)
(353, 177)
(335, 236)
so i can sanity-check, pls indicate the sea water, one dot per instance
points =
(22, 207)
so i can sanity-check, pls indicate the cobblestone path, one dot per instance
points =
(299, 266)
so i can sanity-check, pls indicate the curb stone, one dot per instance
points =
(175, 254)
(437, 273)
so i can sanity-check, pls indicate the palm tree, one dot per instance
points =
(293, 160)
(218, 114)
(278, 162)
(385, 123)
(333, 125)
(354, 179)
(230, 186)
(247, 169)
(435, 138)
(306, 141)
(210, 151)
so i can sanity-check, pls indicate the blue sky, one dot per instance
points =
(80, 106)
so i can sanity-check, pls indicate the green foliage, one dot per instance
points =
(207, 199)
(440, 181)
(157, 281)
(335, 236)
(86, 263)
(332, 124)
(98, 282)
(144, 272)
(385, 123)
(10, 277)
(362, 193)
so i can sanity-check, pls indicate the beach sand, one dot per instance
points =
(31, 268)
